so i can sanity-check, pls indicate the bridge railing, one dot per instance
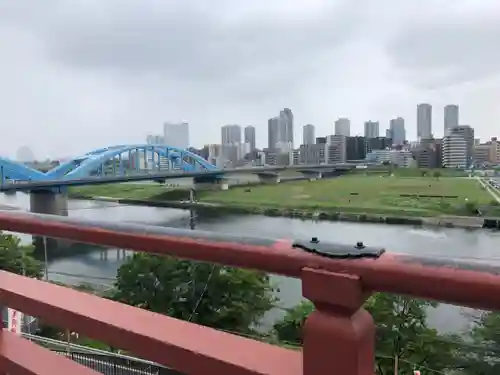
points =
(338, 336)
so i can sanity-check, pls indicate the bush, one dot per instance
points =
(471, 207)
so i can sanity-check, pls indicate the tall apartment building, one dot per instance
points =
(230, 134)
(273, 132)
(467, 134)
(250, 136)
(308, 134)
(176, 134)
(372, 129)
(280, 131)
(454, 150)
(343, 127)
(424, 121)
(451, 117)
(397, 131)
(287, 116)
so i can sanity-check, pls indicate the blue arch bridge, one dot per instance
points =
(126, 163)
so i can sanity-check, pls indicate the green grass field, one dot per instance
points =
(362, 194)
(370, 194)
(131, 191)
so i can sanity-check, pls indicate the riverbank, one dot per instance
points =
(463, 222)
(444, 201)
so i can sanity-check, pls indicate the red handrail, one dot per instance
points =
(167, 341)
(465, 283)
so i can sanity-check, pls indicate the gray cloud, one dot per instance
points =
(179, 41)
(449, 49)
(111, 71)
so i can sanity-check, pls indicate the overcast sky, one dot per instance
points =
(82, 74)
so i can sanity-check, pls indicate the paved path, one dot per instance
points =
(493, 192)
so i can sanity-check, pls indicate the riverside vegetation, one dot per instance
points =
(376, 196)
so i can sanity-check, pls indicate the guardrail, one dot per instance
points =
(338, 335)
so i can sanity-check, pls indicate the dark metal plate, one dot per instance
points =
(339, 251)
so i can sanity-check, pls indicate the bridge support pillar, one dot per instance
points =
(50, 203)
(218, 184)
(312, 175)
(269, 179)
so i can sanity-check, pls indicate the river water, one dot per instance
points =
(100, 268)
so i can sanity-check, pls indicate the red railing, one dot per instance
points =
(338, 336)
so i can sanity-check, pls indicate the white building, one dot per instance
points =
(401, 158)
(343, 127)
(176, 134)
(308, 135)
(230, 134)
(454, 151)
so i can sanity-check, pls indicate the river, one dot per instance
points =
(441, 242)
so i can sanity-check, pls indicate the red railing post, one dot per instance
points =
(339, 336)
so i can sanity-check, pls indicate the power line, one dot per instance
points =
(205, 288)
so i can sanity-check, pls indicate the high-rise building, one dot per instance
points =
(286, 117)
(424, 121)
(230, 134)
(343, 127)
(176, 134)
(454, 150)
(308, 136)
(451, 115)
(372, 129)
(280, 131)
(273, 132)
(467, 133)
(397, 131)
(250, 136)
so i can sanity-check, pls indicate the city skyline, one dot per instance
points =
(73, 81)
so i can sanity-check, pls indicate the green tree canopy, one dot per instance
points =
(480, 355)
(18, 258)
(220, 297)
(402, 333)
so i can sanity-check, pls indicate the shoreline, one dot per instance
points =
(448, 221)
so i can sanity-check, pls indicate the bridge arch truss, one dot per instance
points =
(114, 160)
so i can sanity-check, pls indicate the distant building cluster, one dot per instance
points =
(457, 149)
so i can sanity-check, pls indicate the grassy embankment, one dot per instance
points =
(372, 194)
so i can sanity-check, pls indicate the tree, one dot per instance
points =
(437, 174)
(215, 296)
(402, 334)
(289, 329)
(480, 354)
(18, 258)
